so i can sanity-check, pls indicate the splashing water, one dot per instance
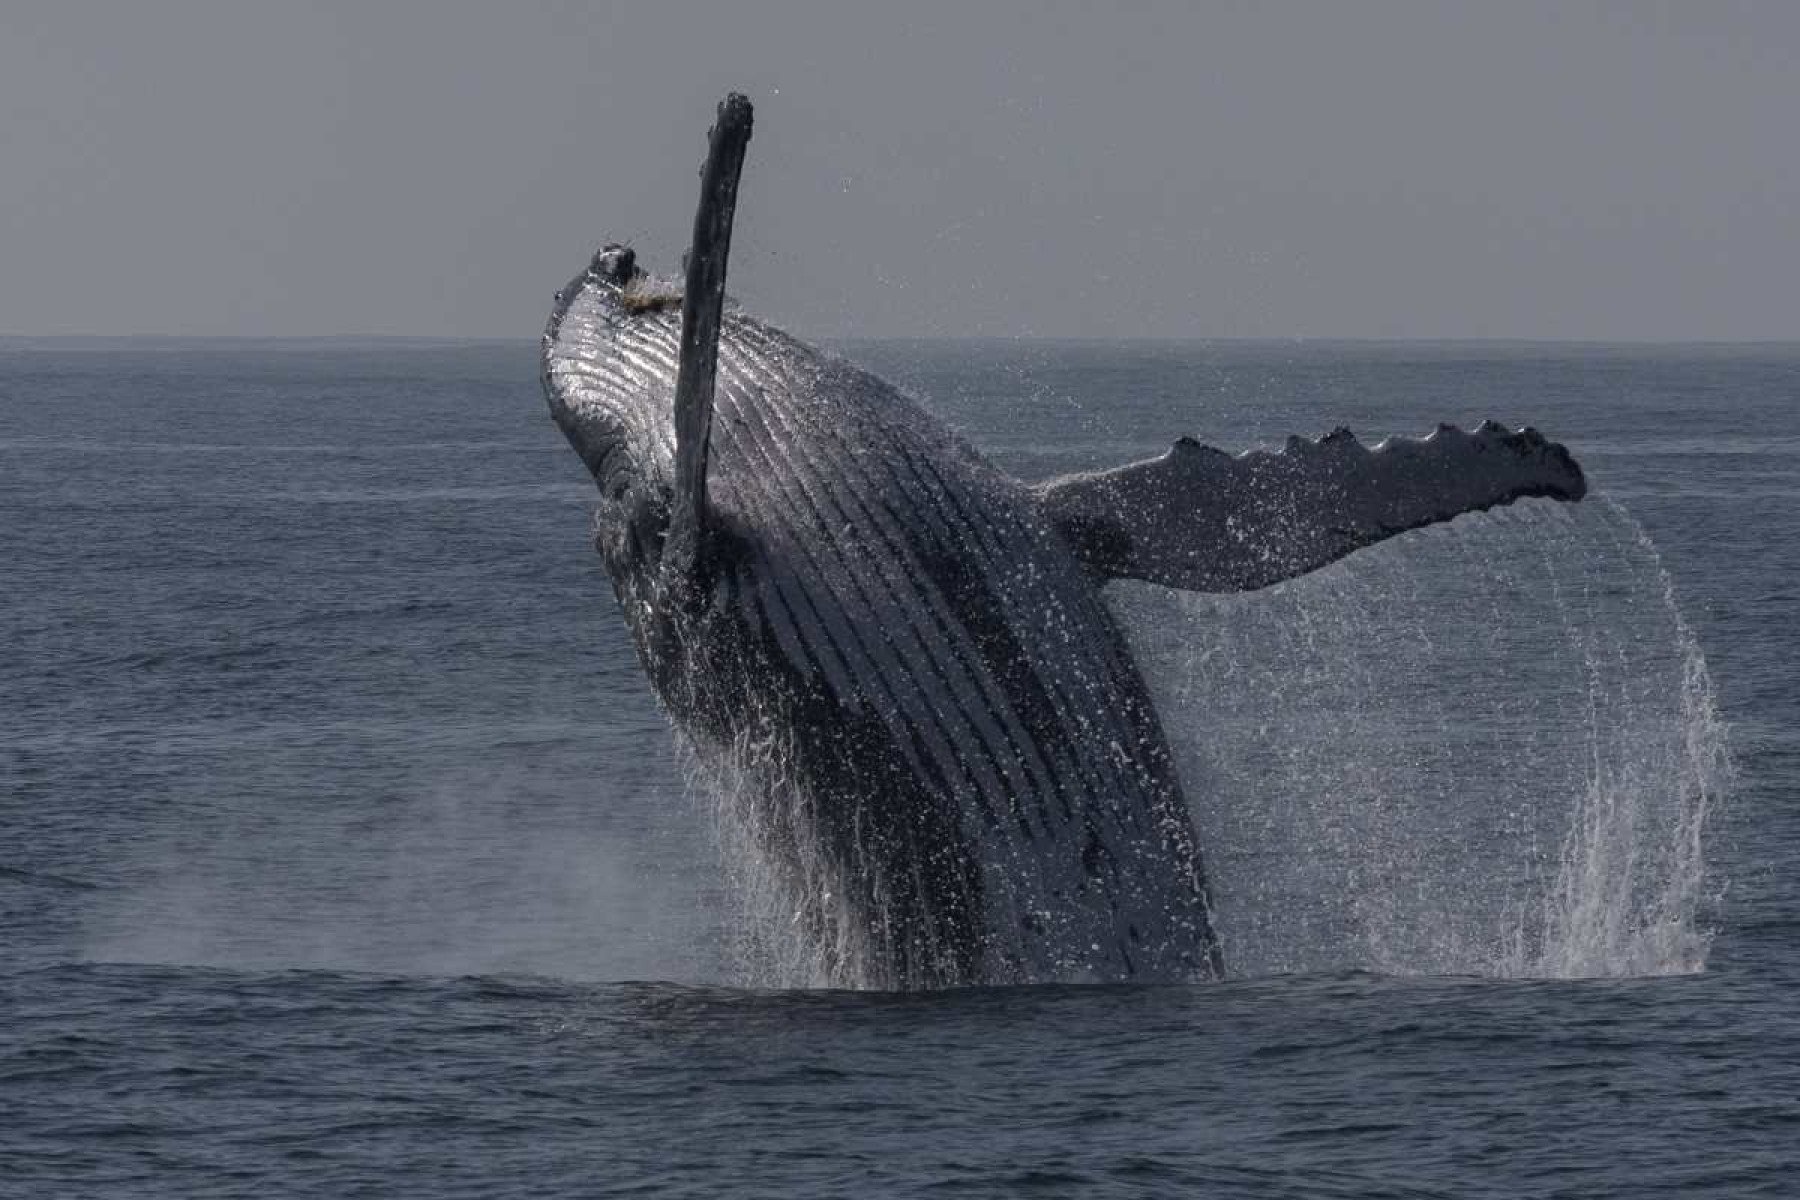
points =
(1631, 877)
(1488, 747)
(1483, 748)
(784, 929)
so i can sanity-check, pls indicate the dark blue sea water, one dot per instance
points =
(344, 853)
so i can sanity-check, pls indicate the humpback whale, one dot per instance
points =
(959, 773)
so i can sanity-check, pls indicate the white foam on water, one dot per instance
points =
(1631, 883)
(1484, 748)
(783, 926)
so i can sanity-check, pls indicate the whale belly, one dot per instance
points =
(972, 783)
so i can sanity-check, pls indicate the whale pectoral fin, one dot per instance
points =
(702, 309)
(1202, 519)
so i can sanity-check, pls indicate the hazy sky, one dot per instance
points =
(1625, 171)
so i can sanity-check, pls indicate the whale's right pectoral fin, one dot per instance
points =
(1202, 519)
(702, 311)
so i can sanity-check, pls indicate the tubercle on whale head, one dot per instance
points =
(635, 289)
(615, 263)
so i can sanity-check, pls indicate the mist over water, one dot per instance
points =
(449, 877)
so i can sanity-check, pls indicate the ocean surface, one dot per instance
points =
(343, 851)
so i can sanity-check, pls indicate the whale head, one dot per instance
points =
(609, 378)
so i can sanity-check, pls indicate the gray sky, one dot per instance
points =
(1230, 170)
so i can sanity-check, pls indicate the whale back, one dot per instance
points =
(973, 784)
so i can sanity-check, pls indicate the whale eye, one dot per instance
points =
(616, 484)
(615, 476)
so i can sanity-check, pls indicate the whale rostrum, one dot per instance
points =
(957, 771)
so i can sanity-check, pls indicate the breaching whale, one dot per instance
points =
(957, 768)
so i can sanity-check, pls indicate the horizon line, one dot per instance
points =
(16, 340)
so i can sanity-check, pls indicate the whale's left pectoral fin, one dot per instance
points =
(1202, 519)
